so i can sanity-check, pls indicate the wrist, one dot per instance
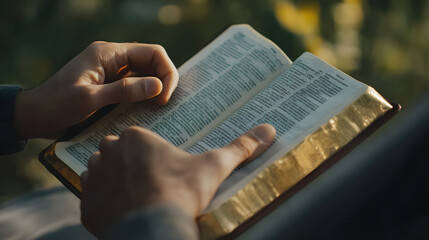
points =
(24, 117)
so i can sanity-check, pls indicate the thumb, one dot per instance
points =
(247, 146)
(129, 89)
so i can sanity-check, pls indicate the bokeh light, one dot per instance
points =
(169, 14)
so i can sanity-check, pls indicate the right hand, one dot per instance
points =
(140, 168)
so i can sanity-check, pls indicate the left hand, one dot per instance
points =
(104, 73)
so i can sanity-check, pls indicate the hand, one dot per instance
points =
(139, 168)
(104, 73)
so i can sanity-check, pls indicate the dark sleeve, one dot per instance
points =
(155, 222)
(9, 142)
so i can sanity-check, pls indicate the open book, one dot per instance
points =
(238, 81)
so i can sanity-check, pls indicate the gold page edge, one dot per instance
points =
(294, 165)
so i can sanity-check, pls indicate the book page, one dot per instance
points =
(297, 103)
(212, 86)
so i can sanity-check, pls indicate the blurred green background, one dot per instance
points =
(382, 43)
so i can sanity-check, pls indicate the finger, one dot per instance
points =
(84, 181)
(169, 85)
(160, 61)
(108, 149)
(107, 143)
(146, 58)
(130, 89)
(138, 136)
(245, 147)
(94, 162)
(97, 171)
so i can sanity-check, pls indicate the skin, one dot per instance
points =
(104, 73)
(138, 168)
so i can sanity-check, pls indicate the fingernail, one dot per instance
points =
(263, 134)
(152, 87)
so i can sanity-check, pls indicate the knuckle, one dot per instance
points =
(93, 161)
(123, 89)
(158, 47)
(244, 146)
(105, 143)
(95, 46)
(211, 156)
(131, 132)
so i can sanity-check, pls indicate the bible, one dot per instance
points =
(238, 81)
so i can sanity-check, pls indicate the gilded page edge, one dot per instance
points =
(288, 170)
